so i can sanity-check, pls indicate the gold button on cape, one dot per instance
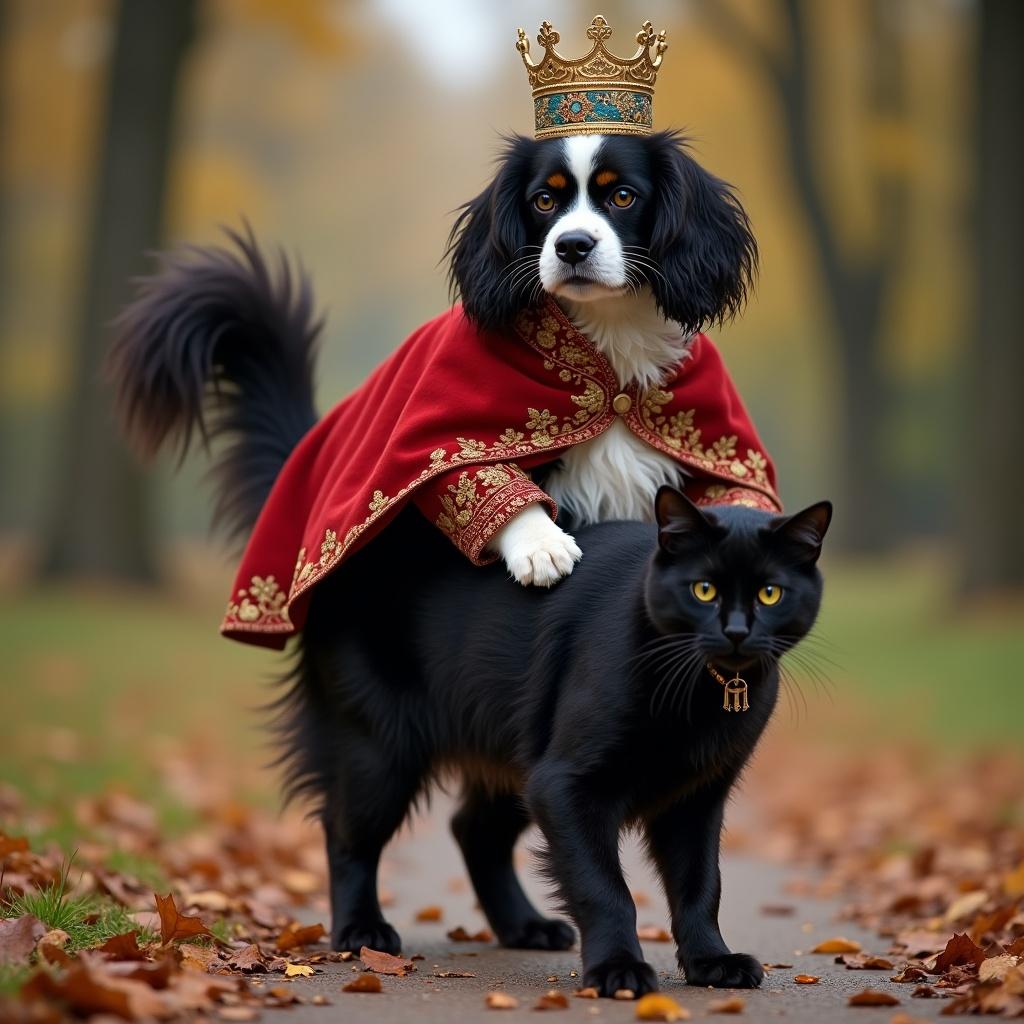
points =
(622, 403)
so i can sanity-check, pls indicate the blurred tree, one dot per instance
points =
(100, 524)
(992, 489)
(857, 282)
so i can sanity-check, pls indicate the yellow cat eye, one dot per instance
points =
(770, 594)
(623, 198)
(704, 591)
(544, 201)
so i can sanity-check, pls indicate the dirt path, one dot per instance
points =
(423, 868)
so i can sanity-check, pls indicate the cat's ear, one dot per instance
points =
(676, 515)
(805, 531)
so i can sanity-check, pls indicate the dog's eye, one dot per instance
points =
(544, 201)
(623, 198)
(704, 591)
(770, 594)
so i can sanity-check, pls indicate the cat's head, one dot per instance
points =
(743, 582)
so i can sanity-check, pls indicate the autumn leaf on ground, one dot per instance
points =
(586, 993)
(734, 1004)
(839, 945)
(864, 962)
(873, 997)
(959, 950)
(296, 935)
(12, 844)
(123, 947)
(384, 963)
(454, 974)
(655, 1006)
(553, 1000)
(174, 925)
(998, 968)
(429, 914)
(18, 938)
(652, 933)
(249, 960)
(500, 1001)
(298, 971)
(459, 934)
(807, 979)
(363, 983)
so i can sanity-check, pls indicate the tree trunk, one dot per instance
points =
(101, 525)
(992, 485)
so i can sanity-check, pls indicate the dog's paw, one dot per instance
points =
(611, 976)
(377, 934)
(535, 550)
(730, 970)
(539, 933)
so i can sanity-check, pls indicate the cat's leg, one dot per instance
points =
(582, 833)
(366, 796)
(684, 842)
(486, 827)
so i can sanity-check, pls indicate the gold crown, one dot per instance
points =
(598, 93)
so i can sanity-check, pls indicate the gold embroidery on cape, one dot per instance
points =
(262, 604)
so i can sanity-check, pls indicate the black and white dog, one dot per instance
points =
(642, 247)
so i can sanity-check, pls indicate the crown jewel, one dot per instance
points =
(597, 93)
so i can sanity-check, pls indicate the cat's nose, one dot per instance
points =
(736, 629)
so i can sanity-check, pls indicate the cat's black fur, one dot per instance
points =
(586, 709)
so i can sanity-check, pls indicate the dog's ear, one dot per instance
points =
(700, 238)
(488, 234)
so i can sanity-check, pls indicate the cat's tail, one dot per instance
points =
(220, 345)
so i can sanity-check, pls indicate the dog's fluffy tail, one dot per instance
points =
(218, 344)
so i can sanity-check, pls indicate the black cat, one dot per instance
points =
(586, 708)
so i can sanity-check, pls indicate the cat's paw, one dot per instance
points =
(618, 973)
(730, 970)
(377, 934)
(539, 933)
(535, 549)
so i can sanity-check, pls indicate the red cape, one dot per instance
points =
(456, 409)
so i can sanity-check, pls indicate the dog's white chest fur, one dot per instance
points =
(616, 475)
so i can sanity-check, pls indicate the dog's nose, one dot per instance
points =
(573, 247)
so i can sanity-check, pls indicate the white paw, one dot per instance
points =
(535, 550)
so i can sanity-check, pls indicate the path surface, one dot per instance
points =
(423, 868)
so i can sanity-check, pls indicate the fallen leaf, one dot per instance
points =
(1013, 881)
(363, 983)
(910, 973)
(864, 962)
(624, 994)
(552, 1000)
(734, 1004)
(174, 925)
(500, 1001)
(432, 913)
(197, 958)
(872, 997)
(807, 979)
(782, 967)
(296, 935)
(966, 906)
(837, 946)
(655, 1006)
(459, 934)
(12, 844)
(959, 950)
(299, 883)
(298, 971)
(208, 899)
(997, 968)
(123, 947)
(384, 963)
(778, 909)
(652, 933)
(454, 974)
(249, 960)
(237, 1013)
(18, 937)
(586, 993)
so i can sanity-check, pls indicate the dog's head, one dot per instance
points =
(592, 217)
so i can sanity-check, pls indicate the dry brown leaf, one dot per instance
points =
(959, 950)
(1013, 881)
(806, 979)
(586, 993)
(624, 994)
(454, 974)
(298, 971)
(432, 913)
(966, 906)
(839, 945)
(123, 947)
(655, 1006)
(174, 925)
(459, 934)
(197, 958)
(872, 997)
(997, 968)
(733, 1005)
(299, 883)
(652, 933)
(249, 960)
(297, 935)
(500, 1001)
(18, 938)
(363, 983)
(864, 962)
(778, 909)
(910, 973)
(552, 1000)
(237, 1013)
(384, 963)
(12, 844)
